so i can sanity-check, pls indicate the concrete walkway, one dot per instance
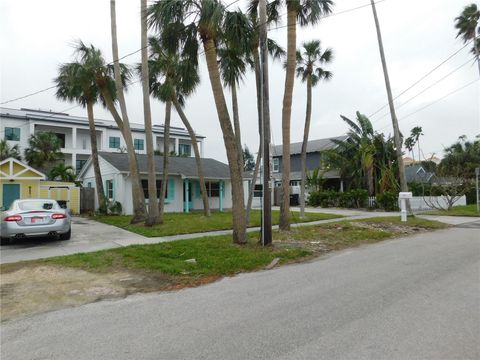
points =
(90, 236)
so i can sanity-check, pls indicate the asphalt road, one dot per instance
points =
(409, 298)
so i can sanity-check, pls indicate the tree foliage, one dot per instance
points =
(43, 150)
(7, 151)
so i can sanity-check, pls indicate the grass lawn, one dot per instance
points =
(43, 285)
(466, 210)
(195, 222)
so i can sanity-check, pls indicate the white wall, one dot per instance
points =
(419, 203)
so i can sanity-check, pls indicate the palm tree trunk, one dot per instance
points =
(286, 114)
(153, 213)
(308, 116)
(138, 199)
(396, 129)
(236, 172)
(166, 155)
(371, 187)
(254, 180)
(196, 151)
(236, 123)
(96, 165)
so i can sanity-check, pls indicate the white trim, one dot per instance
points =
(12, 176)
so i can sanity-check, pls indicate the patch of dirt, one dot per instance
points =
(36, 289)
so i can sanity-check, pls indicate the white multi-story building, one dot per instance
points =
(16, 126)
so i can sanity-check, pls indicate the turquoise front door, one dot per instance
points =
(11, 192)
(187, 196)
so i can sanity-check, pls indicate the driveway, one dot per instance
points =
(407, 298)
(87, 236)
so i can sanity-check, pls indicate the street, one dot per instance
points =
(407, 298)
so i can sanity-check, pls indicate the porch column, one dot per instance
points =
(74, 138)
(341, 185)
(185, 196)
(177, 146)
(220, 199)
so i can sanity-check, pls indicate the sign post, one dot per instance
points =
(403, 196)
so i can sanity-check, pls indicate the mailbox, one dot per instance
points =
(404, 195)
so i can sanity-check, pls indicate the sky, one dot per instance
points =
(37, 36)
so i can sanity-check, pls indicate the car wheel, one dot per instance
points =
(67, 235)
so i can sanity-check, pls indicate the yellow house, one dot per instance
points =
(20, 181)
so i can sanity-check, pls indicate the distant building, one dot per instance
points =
(416, 173)
(16, 126)
(313, 161)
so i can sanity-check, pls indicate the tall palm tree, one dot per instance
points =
(7, 151)
(309, 61)
(396, 130)
(138, 199)
(305, 12)
(43, 150)
(153, 211)
(468, 28)
(233, 66)
(208, 22)
(76, 83)
(416, 132)
(62, 172)
(172, 80)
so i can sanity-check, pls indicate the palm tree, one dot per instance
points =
(232, 69)
(62, 172)
(396, 130)
(305, 12)
(208, 22)
(120, 75)
(76, 83)
(416, 132)
(309, 62)
(172, 79)
(43, 150)
(153, 210)
(7, 151)
(468, 28)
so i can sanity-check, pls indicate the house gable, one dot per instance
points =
(13, 169)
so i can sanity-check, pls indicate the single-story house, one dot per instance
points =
(21, 181)
(183, 189)
(416, 173)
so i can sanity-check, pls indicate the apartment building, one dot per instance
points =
(16, 126)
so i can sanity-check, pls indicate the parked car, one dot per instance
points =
(35, 218)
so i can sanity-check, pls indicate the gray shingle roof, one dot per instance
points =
(416, 173)
(183, 166)
(312, 146)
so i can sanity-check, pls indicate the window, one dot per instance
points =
(61, 137)
(294, 182)
(12, 134)
(185, 149)
(138, 144)
(213, 189)
(109, 189)
(79, 164)
(89, 184)
(159, 184)
(276, 165)
(84, 143)
(258, 190)
(114, 142)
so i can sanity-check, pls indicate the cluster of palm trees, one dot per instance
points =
(184, 30)
(366, 159)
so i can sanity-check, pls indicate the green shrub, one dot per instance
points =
(387, 201)
(330, 198)
(359, 198)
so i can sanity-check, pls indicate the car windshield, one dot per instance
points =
(35, 205)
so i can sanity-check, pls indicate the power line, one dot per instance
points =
(421, 79)
(423, 91)
(436, 101)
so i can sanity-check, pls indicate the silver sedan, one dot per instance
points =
(35, 218)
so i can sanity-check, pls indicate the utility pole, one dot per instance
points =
(396, 130)
(267, 189)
